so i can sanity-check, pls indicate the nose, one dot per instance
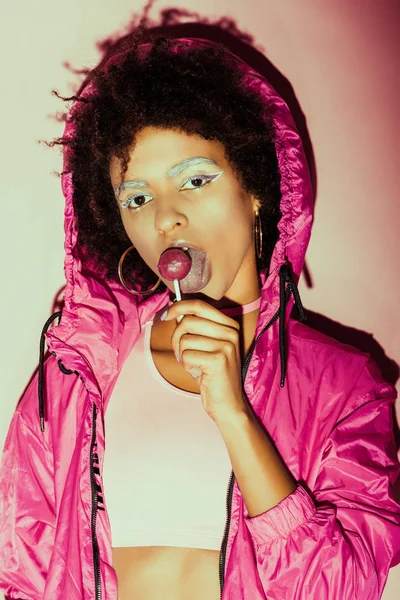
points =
(168, 215)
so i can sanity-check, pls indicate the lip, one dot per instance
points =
(183, 244)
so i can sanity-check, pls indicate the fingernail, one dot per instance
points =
(176, 355)
(164, 315)
(195, 372)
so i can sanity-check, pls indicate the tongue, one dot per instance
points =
(199, 274)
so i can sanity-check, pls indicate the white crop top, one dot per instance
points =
(166, 467)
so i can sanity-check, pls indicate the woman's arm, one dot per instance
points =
(262, 477)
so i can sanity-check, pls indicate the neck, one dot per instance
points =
(242, 309)
(249, 301)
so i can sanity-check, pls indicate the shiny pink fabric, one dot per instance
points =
(334, 537)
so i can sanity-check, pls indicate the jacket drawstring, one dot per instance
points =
(285, 276)
(41, 365)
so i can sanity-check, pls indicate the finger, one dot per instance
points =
(203, 327)
(208, 362)
(201, 343)
(201, 309)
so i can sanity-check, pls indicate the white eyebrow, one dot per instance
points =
(134, 183)
(171, 173)
(188, 162)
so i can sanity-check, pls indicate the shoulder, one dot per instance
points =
(312, 346)
(342, 372)
(310, 336)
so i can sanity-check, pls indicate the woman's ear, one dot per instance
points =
(256, 203)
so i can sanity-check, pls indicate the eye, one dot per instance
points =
(198, 181)
(130, 201)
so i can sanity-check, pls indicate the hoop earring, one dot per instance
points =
(122, 280)
(258, 235)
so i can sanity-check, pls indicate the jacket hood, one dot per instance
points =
(101, 320)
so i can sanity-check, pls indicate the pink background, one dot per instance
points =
(342, 60)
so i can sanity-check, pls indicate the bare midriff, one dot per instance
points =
(167, 572)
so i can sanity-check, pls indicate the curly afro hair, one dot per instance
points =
(197, 90)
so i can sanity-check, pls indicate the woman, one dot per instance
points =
(114, 484)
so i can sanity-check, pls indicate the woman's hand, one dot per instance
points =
(206, 343)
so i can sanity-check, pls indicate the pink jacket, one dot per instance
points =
(324, 404)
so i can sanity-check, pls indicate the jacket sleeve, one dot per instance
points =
(339, 539)
(27, 502)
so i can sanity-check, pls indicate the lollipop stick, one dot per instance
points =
(178, 297)
(177, 290)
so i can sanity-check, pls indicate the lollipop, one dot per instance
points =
(174, 265)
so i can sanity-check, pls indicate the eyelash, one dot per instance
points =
(204, 178)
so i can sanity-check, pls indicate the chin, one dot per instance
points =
(201, 295)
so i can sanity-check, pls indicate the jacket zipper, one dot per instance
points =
(96, 560)
(229, 495)
(95, 488)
